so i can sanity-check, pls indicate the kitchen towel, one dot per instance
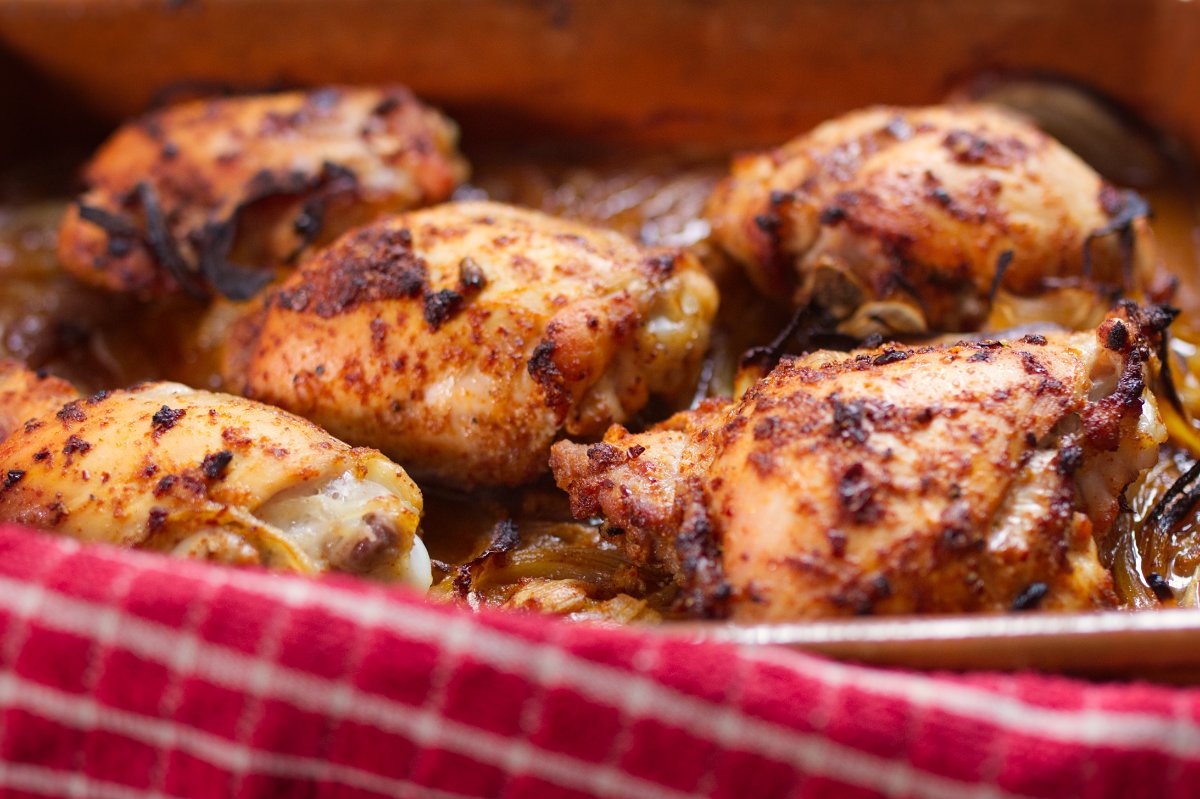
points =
(131, 675)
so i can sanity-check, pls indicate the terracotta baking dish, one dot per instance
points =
(715, 73)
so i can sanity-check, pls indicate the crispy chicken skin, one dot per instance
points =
(164, 467)
(26, 395)
(906, 220)
(968, 477)
(178, 197)
(462, 339)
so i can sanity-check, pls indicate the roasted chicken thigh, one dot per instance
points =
(462, 339)
(164, 467)
(178, 198)
(947, 478)
(910, 220)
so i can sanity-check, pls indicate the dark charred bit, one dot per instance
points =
(837, 542)
(164, 419)
(71, 412)
(848, 419)
(215, 464)
(706, 592)
(386, 106)
(1031, 597)
(471, 279)
(971, 148)
(982, 356)
(1123, 209)
(958, 527)
(97, 398)
(1034, 338)
(1070, 458)
(12, 477)
(110, 223)
(1114, 334)
(462, 581)
(333, 180)
(375, 264)
(370, 551)
(1002, 264)
(165, 485)
(546, 374)
(156, 519)
(635, 451)
(831, 215)
(767, 357)
(41, 455)
(231, 280)
(163, 244)
(75, 444)
(121, 231)
(32, 424)
(1160, 587)
(1102, 418)
(1031, 364)
(892, 356)
(856, 495)
(1176, 503)
(506, 537)
(605, 456)
(442, 306)
(1152, 319)
(662, 265)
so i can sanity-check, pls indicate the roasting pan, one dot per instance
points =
(633, 73)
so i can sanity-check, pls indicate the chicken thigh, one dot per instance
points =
(909, 220)
(178, 198)
(462, 339)
(966, 477)
(164, 467)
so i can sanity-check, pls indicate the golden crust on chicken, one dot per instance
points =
(26, 395)
(909, 220)
(164, 467)
(968, 477)
(178, 198)
(462, 339)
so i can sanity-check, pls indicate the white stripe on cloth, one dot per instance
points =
(1114, 729)
(810, 753)
(49, 782)
(83, 713)
(1088, 726)
(235, 670)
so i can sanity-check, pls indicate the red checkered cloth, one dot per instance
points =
(130, 675)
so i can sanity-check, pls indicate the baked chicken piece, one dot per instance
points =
(179, 198)
(909, 220)
(462, 339)
(966, 477)
(164, 467)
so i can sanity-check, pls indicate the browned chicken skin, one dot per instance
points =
(908, 220)
(161, 466)
(463, 338)
(938, 479)
(179, 197)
